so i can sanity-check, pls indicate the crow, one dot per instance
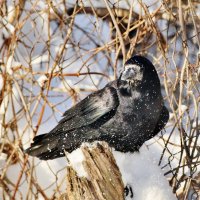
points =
(125, 113)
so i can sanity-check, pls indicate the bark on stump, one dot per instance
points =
(104, 182)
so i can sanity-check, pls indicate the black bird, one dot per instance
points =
(125, 113)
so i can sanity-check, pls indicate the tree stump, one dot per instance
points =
(104, 180)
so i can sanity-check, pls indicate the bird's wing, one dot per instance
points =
(97, 107)
(89, 110)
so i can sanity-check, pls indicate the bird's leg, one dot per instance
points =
(128, 189)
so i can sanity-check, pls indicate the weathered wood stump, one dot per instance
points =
(104, 181)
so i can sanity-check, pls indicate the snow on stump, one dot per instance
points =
(104, 181)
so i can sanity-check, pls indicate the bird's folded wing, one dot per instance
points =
(89, 110)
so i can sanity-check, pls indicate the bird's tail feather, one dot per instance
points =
(38, 138)
(51, 146)
(44, 147)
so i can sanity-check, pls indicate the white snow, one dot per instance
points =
(76, 159)
(41, 80)
(141, 171)
(183, 108)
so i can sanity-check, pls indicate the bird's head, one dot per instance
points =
(132, 73)
(138, 71)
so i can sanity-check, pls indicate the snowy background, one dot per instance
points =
(50, 59)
